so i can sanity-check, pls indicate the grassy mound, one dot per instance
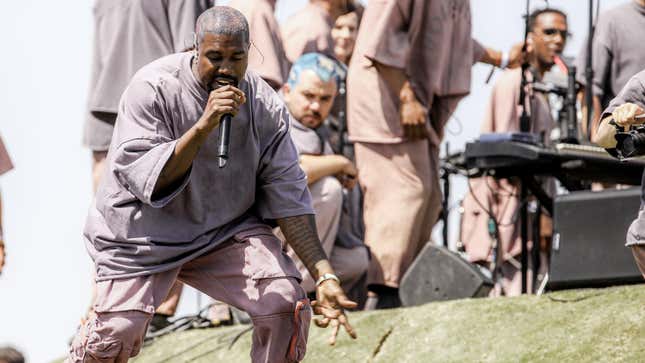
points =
(599, 325)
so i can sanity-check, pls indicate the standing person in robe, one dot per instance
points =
(127, 35)
(547, 38)
(623, 110)
(617, 54)
(411, 66)
(5, 166)
(309, 30)
(165, 211)
(266, 56)
(309, 95)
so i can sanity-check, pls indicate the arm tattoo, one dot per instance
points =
(302, 236)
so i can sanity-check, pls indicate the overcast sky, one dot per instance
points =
(45, 69)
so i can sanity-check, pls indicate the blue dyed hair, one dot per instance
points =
(324, 67)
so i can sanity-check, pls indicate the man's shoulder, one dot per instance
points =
(616, 14)
(163, 70)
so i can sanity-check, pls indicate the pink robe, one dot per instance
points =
(266, 56)
(307, 31)
(431, 42)
(501, 196)
(5, 160)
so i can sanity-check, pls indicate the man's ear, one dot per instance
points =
(286, 89)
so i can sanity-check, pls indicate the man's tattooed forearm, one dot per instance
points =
(302, 236)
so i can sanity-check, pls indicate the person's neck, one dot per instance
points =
(327, 7)
(539, 69)
(640, 2)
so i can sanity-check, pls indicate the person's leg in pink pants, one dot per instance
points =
(251, 272)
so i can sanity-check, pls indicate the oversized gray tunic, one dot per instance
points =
(618, 51)
(127, 35)
(129, 233)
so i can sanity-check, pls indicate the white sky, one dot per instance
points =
(44, 76)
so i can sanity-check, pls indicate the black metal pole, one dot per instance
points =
(445, 177)
(524, 233)
(589, 71)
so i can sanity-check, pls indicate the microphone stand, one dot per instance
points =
(525, 126)
(589, 71)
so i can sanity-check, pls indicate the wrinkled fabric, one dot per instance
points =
(128, 34)
(501, 196)
(5, 160)
(129, 232)
(250, 272)
(430, 41)
(617, 54)
(266, 55)
(401, 205)
(308, 31)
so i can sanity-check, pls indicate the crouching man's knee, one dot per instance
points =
(110, 337)
(639, 256)
(281, 322)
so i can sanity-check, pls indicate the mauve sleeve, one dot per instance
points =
(478, 51)
(389, 43)
(144, 145)
(633, 92)
(282, 185)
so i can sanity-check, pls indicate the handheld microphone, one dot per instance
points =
(224, 139)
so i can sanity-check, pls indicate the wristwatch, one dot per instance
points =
(325, 277)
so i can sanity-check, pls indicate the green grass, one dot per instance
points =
(595, 325)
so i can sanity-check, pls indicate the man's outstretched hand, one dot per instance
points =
(331, 303)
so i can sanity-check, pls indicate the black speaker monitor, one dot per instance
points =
(589, 230)
(439, 274)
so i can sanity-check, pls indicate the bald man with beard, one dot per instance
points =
(167, 211)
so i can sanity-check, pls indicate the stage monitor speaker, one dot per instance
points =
(589, 231)
(439, 274)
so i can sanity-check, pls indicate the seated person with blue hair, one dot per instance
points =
(309, 94)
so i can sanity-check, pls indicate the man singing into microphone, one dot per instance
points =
(166, 211)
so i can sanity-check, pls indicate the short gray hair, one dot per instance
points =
(221, 20)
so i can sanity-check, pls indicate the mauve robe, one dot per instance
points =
(502, 115)
(5, 160)
(129, 34)
(308, 31)
(128, 233)
(430, 40)
(618, 52)
(266, 55)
